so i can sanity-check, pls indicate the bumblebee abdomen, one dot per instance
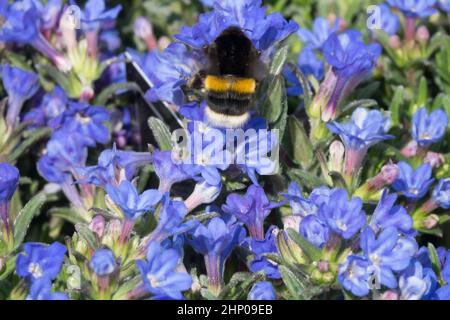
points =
(229, 95)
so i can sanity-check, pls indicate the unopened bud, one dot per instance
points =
(389, 295)
(204, 193)
(388, 174)
(337, 153)
(395, 42)
(410, 150)
(163, 43)
(143, 28)
(430, 222)
(97, 225)
(434, 159)
(292, 222)
(422, 35)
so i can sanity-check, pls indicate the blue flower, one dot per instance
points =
(39, 261)
(313, 229)
(388, 253)
(113, 165)
(47, 113)
(89, 121)
(64, 152)
(390, 23)
(133, 205)
(414, 8)
(417, 282)
(351, 61)
(160, 275)
(387, 214)
(251, 208)
(260, 247)
(9, 180)
(170, 220)
(264, 30)
(216, 240)
(20, 85)
(103, 262)
(320, 32)
(22, 22)
(303, 207)
(95, 15)
(443, 293)
(310, 64)
(168, 171)
(168, 72)
(366, 128)
(342, 216)
(429, 128)
(413, 184)
(354, 275)
(262, 290)
(446, 268)
(49, 13)
(349, 57)
(444, 5)
(41, 289)
(441, 194)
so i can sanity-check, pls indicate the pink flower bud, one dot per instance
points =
(410, 150)
(163, 43)
(434, 159)
(143, 28)
(422, 35)
(97, 225)
(389, 295)
(395, 42)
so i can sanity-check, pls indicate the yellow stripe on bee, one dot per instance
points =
(225, 84)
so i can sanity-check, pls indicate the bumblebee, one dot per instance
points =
(230, 78)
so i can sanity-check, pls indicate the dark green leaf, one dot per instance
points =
(23, 220)
(112, 89)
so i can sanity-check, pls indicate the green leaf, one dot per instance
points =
(86, 234)
(435, 263)
(307, 92)
(310, 251)
(278, 61)
(161, 133)
(422, 97)
(9, 268)
(292, 282)
(30, 140)
(302, 148)
(112, 89)
(306, 178)
(23, 220)
(66, 214)
(396, 104)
